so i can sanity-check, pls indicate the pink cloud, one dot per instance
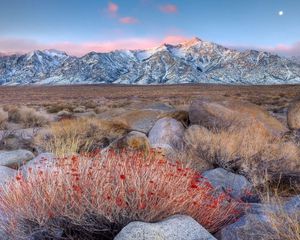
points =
(281, 49)
(128, 20)
(174, 39)
(10, 46)
(14, 45)
(168, 8)
(112, 8)
(290, 50)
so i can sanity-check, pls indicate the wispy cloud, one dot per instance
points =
(128, 20)
(281, 49)
(168, 8)
(112, 9)
(290, 50)
(15, 45)
(8, 45)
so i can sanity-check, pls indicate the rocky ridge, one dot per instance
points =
(194, 61)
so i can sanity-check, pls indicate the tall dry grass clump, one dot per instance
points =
(3, 119)
(284, 226)
(60, 106)
(283, 222)
(28, 117)
(93, 197)
(79, 135)
(249, 149)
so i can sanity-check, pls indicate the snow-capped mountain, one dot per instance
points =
(296, 59)
(194, 61)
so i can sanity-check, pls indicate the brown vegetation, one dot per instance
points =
(245, 147)
(249, 150)
(3, 119)
(79, 135)
(284, 223)
(277, 95)
(28, 117)
(94, 197)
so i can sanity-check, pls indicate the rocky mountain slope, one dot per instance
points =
(194, 61)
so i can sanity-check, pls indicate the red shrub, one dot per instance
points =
(114, 189)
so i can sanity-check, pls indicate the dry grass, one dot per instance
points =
(3, 119)
(283, 224)
(79, 135)
(94, 197)
(28, 117)
(174, 94)
(249, 150)
(57, 107)
(101, 109)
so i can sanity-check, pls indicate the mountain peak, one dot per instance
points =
(54, 52)
(193, 61)
(191, 42)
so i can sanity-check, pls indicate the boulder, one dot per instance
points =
(248, 227)
(140, 120)
(63, 114)
(15, 142)
(132, 141)
(257, 223)
(15, 159)
(6, 174)
(261, 208)
(43, 161)
(293, 205)
(236, 185)
(293, 115)
(223, 114)
(179, 227)
(142, 117)
(167, 133)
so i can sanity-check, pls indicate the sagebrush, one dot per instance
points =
(251, 150)
(93, 196)
(79, 135)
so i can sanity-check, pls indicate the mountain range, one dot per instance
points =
(193, 61)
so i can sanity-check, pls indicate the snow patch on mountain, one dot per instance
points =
(193, 61)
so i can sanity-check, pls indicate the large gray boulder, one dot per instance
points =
(223, 114)
(257, 223)
(248, 227)
(236, 185)
(293, 205)
(167, 133)
(6, 174)
(179, 227)
(15, 159)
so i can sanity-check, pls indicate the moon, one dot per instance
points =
(280, 13)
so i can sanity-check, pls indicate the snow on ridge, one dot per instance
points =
(193, 61)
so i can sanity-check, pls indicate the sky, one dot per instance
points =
(81, 26)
